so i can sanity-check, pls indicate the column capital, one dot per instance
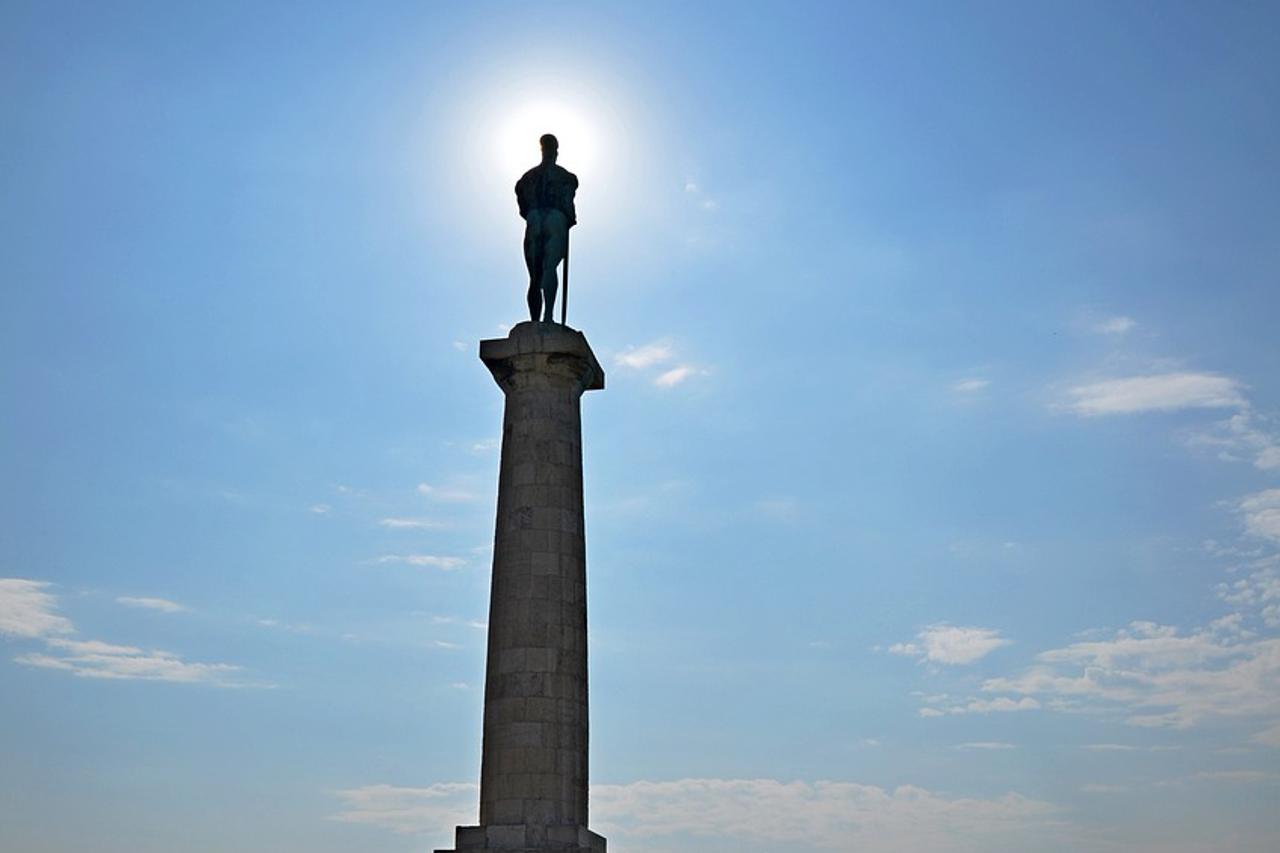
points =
(547, 350)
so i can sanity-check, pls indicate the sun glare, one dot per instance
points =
(516, 146)
(593, 127)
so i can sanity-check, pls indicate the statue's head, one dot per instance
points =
(550, 146)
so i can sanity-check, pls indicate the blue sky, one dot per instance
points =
(933, 504)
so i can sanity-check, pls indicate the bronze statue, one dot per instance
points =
(545, 197)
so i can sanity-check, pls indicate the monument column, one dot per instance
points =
(533, 777)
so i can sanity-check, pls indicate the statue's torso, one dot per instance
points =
(547, 186)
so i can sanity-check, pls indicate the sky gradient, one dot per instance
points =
(933, 503)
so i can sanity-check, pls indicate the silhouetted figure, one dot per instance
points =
(545, 196)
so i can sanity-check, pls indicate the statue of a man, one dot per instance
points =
(545, 196)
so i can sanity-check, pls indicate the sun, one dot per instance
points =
(516, 147)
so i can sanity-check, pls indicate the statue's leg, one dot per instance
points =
(555, 228)
(533, 262)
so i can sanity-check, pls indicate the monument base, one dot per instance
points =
(526, 838)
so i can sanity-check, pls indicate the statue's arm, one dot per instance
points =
(520, 202)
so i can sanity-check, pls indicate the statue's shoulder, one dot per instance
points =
(566, 176)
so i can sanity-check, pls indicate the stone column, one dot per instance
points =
(533, 776)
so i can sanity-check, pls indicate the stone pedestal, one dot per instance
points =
(533, 776)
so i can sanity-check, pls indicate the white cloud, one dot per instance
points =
(1000, 704)
(96, 659)
(1158, 677)
(647, 355)
(1269, 737)
(410, 810)
(714, 814)
(320, 509)
(445, 495)
(1123, 747)
(951, 644)
(1221, 776)
(969, 386)
(1114, 325)
(1244, 435)
(1260, 590)
(1262, 514)
(411, 524)
(674, 376)
(1157, 393)
(425, 561)
(288, 627)
(652, 356)
(26, 610)
(164, 605)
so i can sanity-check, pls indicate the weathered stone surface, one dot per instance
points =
(533, 777)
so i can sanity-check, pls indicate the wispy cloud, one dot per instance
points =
(95, 659)
(320, 509)
(655, 355)
(741, 813)
(1269, 736)
(779, 508)
(951, 644)
(1258, 591)
(1114, 325)
(411, 524)
(645, 355)
(1243, 436)
(1230, 776)
(676, 375)
(287, 627)
(998, 705)
(445, 494)
(1163, 392)
(1158, 676)
(409, 810)
(970, 386)
(28, 611)
(164, 605)
(696, 193)
(424, 561)
(1124, 747)
(1262, 514)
